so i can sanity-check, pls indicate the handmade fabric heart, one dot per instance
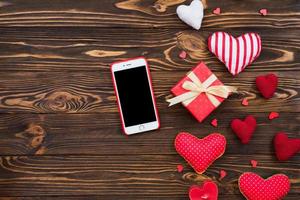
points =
(217, 11)
(208, 191)
(263, 11)
(253, 187)
(285, 147)
(192, 14)
(267, 85)
(235, 53)
(244, 129)
(200, 153)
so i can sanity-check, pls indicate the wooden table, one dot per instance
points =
(60, 135)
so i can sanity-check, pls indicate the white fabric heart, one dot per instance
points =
(192, 14)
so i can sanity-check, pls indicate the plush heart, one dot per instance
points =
(254, 163)
(245, 102)
(208, 191)
(285, 147)
(253, 187)
(267, 85)
(273, 115)
(192, 14)
(217, 11)
(244, 129)
(235, 53)
(222, 173)
(200, 153)
(182, 55)
(214, 123)
(263, 11)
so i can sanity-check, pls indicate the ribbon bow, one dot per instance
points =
(195, 88)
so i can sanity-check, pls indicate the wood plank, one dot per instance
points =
(75, 49)
(60, 134)
(153, 197)
(136, 175)
(100, 134)
(90, 92)
(150, 14)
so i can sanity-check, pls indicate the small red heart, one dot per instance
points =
(182, 55)
(254, 163)
(267, 85)
(273, 115)
(244, 129)
(285, 147)
(208, 191)
(245, 102)
(179, 168)
(223, 173)
(217, 11)
(200, 153)
(254, 187)
(263, 11)
(214, 122)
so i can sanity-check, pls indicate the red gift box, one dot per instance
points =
(200, 91)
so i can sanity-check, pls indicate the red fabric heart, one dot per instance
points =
(180, 168)
(263, 11)
(217, 11)
(182, 55)
(273, 115)
(253, 187)
(214, 122)
(222, 173)
(254, 163)
(267, 85)
(285, 147)
(244, 129)
(200, 153)
(235, 53)
(208, 191)
(245, 102)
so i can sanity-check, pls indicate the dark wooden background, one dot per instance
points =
(60, 135)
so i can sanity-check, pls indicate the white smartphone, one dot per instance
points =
(136, 101)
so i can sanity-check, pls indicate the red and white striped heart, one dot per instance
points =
(235, 53)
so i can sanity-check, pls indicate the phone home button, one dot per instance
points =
(141, 127)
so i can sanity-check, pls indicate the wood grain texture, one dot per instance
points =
(60, 135)
(149, 14)
(91, 197)
(75, 49)
(86, 92)
(131, 175)
(63, 134)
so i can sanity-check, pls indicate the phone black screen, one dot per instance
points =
(135, 96)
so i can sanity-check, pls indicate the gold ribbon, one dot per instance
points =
(195, 88)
